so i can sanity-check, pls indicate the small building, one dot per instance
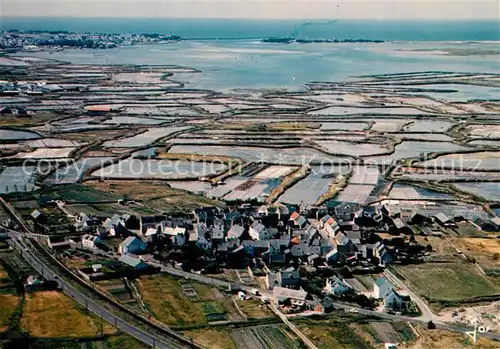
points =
(399, 227)
(131, 245)
(333, 255)
(491, 225)
(85, 222)
(116, 226)
(418, 218)
(38, 217)
(58, 244)
(135, 263)
(203, 244)
(313, 259)
(379, 251)
(150, 232)
(91, 241)
(393, 211)
(381, 287)
(296, 220)
(444, 221)
(32, 283)
(177, 235)
(329, 226)
(147, 222)
(326, 305)
(205, 215)
(218, 231)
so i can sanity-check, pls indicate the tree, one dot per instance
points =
(429, 248)
(496, 256)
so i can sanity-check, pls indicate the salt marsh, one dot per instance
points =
(13, 135)
(161, 169)
(145, 138)
(295, 156)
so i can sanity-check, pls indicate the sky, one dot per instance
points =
(257, 9)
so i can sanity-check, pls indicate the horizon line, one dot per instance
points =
(493, 19)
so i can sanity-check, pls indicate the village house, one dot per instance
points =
(258, 231)
(235, 232)
(58, 244)
(255, 248)
(399, 227)
(135, 263)
(218, 231)
(329, 226)
(444, 221)
(333, 255)
(203, 244)
(151, 232)
(205, 215)
(131, 244)
(288, 278)
(326, 305)
(115, 226)
(344, 245)
(297, 221)
(381, 286)
(490, 225)
(392, 211)
(274, 254)
(379, 251)
(199, 230)
(147, 222)
(85, 222)
(337, 286)
(177, 235)
(39, 218)
(393, 300)
(288, 296)
(418, 218)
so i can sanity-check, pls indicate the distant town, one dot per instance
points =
(32, 40)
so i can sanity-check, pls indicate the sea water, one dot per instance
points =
(230, 53)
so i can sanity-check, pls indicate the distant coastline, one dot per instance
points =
(318, 41)
(34, 40)
(222, 29)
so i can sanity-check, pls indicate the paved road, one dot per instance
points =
(38, 264)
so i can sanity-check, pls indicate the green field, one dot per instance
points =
(82, 193)
(447, 281)
(166, 301)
